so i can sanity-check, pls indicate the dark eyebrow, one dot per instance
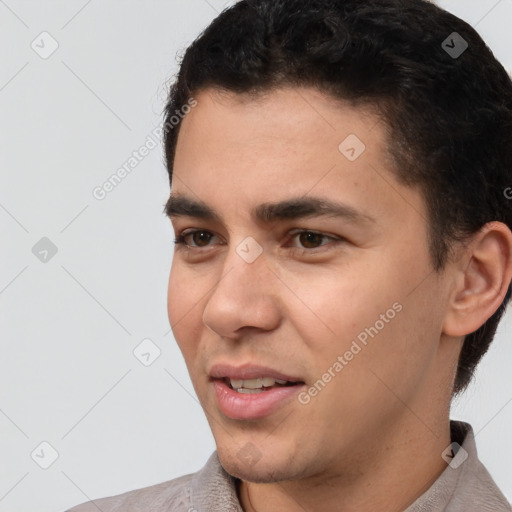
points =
(179, 205)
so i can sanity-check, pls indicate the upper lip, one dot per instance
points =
(248, 371)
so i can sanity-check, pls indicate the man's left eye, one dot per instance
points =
(311, 239)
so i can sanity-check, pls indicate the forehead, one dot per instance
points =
(241, 150)
(286, 130)
(287, 115)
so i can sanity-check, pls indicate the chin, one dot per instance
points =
(249, 464)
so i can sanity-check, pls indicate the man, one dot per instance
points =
(339, 198)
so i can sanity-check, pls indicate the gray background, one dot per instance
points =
(69, 325)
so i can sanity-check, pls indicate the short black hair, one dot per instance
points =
(447, 108)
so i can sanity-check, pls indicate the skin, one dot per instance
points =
(372, 438)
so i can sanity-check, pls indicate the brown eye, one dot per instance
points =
(310, 240)
(194, 239)
(304, 242)
(201, 238)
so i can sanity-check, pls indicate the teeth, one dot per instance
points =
(235, 383)
(250, 391)
(268, 381)
(255, 384)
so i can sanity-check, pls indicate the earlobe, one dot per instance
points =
(483, 280)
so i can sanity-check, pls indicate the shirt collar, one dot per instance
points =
(461, 458)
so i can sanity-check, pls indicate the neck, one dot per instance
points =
(399, 472)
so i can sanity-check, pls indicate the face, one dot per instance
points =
(341, 303)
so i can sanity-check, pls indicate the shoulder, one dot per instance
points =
(465, 485)
(210, 488)
(476, 489)
(171, 495)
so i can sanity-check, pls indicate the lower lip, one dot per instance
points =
(250, 406)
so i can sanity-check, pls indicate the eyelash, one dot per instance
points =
(181, 240)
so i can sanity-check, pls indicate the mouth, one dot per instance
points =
(252, 392)
(259, 385)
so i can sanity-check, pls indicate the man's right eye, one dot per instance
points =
(196, 238)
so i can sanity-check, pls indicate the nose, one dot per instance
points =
(245, 296)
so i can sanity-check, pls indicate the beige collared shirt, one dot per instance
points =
(464, 486)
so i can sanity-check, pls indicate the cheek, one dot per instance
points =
(186, 287)
(332, 306)
(367, 311)
(392, 352)
(175, 296)
(183, 306)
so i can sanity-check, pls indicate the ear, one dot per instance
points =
(483, 275)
